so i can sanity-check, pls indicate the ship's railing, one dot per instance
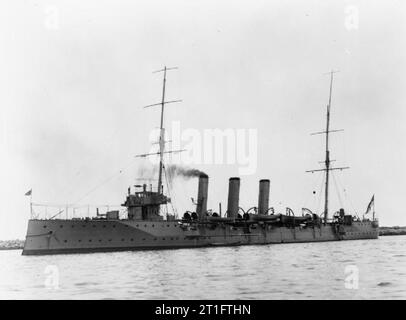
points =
(59, 211)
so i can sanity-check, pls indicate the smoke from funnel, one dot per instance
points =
(174, 170)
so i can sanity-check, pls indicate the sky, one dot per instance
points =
(75, 76)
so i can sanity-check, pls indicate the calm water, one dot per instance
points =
(283, 271)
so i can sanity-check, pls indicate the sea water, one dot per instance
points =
(359, 269)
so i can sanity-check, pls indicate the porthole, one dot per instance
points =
(61, 226)
(153, 225)
(136, 225)
(143, 239)
(154, 239)
(122, 239)
(45, 226)
(99, 240)
(109, 240)
(80, 240)
(72, 226)
(163, 238)
(168, 225)
(114, 225)
(104, 226)
(132, 239)
(94, 226)
(171, 238)
(65, 241)
(90, 240)
(145, 226)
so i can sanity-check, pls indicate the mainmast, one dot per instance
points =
(327, 160)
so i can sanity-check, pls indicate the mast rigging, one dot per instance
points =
(161, 141)
(327, 160)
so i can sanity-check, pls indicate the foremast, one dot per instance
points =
(162, 136)
(145, 205)
(161, 141)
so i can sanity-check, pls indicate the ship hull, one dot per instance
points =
(84, 236)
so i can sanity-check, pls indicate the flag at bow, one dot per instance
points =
(28, 193)
(371, 203)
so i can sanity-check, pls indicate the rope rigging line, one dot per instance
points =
(55, 205)
(75, 203)
(183, 191)
(169, 193)
(110, 140)
(347, 197)
(132, 162)
(321, 192)
(337, 190)
(315, 184)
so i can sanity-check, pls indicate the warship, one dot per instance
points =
(145, 227)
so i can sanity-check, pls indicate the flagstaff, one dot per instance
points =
(29, 193)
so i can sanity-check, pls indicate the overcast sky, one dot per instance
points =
(74, 76)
